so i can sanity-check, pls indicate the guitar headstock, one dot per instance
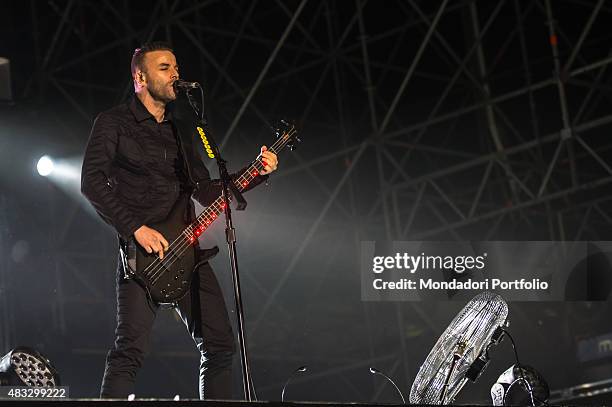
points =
(286, 133)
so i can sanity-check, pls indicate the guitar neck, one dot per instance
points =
(212, 212)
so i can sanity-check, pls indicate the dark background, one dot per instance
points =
(460, 135)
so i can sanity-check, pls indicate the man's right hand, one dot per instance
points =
(151, 240)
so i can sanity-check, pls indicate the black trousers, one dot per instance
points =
(204, 313)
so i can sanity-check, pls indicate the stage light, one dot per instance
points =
(532, 389)
(24, 366)
(45, 166)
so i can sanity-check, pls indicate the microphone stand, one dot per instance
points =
(228, 189)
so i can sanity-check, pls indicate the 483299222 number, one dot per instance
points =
(18, 392)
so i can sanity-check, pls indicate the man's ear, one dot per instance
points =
(140, 77)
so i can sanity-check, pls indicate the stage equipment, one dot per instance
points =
(300, 369)
(520, 385)
(373, 370)
(24, 366)
(461, 353)
(45, 166)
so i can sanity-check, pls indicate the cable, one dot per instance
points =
(522, 376)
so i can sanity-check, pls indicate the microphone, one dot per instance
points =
(298, 370)
(180, 84)
(373, 370)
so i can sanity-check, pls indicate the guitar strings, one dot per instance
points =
(282, 141)
(175, 255)
(182, 235)
(206, 220)
(184, 241)
(201, 223)
(158, 272)
(203, 220)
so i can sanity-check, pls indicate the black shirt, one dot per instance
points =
(134, 168)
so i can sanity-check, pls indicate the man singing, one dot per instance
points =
(136, 167)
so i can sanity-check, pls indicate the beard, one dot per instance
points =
(161, 91)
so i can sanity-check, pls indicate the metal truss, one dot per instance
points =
(421, 120)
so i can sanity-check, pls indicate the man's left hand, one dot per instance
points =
(269, 160)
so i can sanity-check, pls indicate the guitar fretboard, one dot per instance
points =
(191, 233)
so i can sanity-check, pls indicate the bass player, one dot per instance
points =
(136, 166)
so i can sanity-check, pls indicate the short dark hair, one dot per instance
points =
(139, 53)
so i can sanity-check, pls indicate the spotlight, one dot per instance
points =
(24, 366)
(45, 165)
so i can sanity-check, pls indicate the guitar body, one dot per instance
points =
(168, 280)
